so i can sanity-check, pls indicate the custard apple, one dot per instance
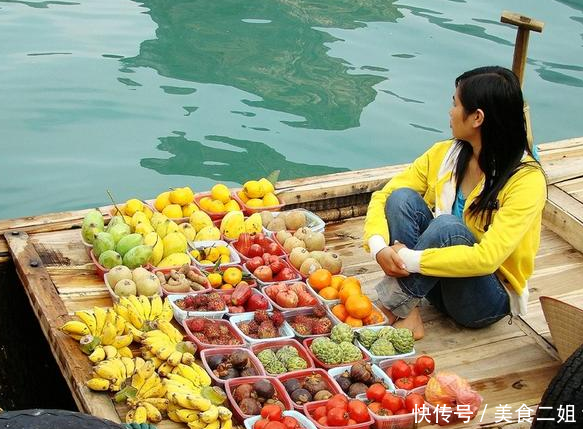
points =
(295, 363)
(367, 337)
(327, 351)
(386, 332)
(382, 347)
(349, 352)
(286, 352)
(266, 356)
(402, 340)
(342, 332)
(275, 367)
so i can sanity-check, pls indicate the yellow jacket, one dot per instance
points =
(511, 241)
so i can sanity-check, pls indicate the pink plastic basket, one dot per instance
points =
(400, 421)
(232, 383)
(289, 316)
(300, 375)
(206, 353)
(311, 406)
(287, 264)
(250, 210)
(193, 268)
(250, 280)
(308, 341)
(386, 366)
(309, 290)
(275, 345)
(213, 215)
(203, 346)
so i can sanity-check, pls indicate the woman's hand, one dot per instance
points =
(390, 261)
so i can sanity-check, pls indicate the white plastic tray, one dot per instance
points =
(285, 330)
(315, 223)
(378, 358)
(376, 370)
(181, 315)
(302, 420)
(234, 256)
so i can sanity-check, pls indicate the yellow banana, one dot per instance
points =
(146, 370)
(122, 311)
(158, 390)
(173, 416)
(117, 362)
(136, 333)
(108, 334)
(210, 415)
(160, 403)
(136, 304)
(164, 352)
(181, 380)
(141, 415)
(98, 355)
(156, 307)
(187, 372)
(205, 379)
(98, 383)
(182, 399)
(75, 327)
(174, 358)
(122, 341)
(135, 318)
(201, 404)
(227, 424)
(130, 365)
(88, 318)
(214, 425)
(130, 416)
(197, 424)
(151, 381)
(174, 334)
(165, 369)
(167, 312)
(120, 325)
(157, 362)
(110, 352)
(106, 370)
(146, 306)
(186, 415)
(100, 316)
(110, 316)
(187, 358)
(224, 413)
(152, 413)
(125, 352)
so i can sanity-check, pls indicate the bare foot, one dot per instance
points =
(413, 322)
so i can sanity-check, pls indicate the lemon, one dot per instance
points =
(241, 194)
(188, 209)
(215, 279)
(232, 206)
(148, 212)
(216, 206)
(132, 206)
(255, 202)
(195, 254)
(224, 250)
(181, 196)
(225, 259)
(143, 228)
(221, 192)
(172, 211)
(212, 254)
(205, 262)
(270, 200)
(233, 276)
(205, 203)
(267, 185)
(162, 201)
(254, 189)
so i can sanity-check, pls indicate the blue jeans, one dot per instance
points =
(473, 302)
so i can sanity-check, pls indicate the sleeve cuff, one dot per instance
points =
(376, 243)
(412, 259)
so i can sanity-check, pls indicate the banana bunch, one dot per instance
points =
(111, 374)
(141, 313)
(166, 344)
(94, 330)
(146, 396)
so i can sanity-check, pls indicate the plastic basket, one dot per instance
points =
(308, 341)
(382, 324)
(203, 346)
(287, 264)
(281, 252)
(289, 315)
(314, 222)
(234, 258)
(181, 315)
(254, 291)
(250, 210)
(376, 370)
(192, 292)
(401, 421)
(280, 308)
(222, 351)
(311, 406)
(285, 330)
(101, 270)
(274, 345)
(327, 302)
(304, 422)
(300, 375)
(386, 366)
(376, 358)
(232, 383)
(115, 297)
(213, 215)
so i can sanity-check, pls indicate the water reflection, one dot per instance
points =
(248, 159)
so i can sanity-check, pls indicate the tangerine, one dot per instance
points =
(354, 322)
(336, 281)
(329, 293)
(232, 276)
(226, 286)
(320, 279)
(349, 289)
(215, 279)
(339, 310)
(374, 318)
(358, 306)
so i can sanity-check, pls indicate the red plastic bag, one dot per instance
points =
(448, 388)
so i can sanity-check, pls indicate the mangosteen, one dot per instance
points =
(249, 372)
(243, 391)
(344, 382)
(276, 402)
(301, 396)
(250, 406)
(227, 373)
(357, 389)
(264, 389)
(322, 395)
(214, 361)
(361, 372)
(239, 359)
(291, 385)
(315, 383)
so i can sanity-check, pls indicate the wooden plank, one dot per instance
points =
(563, 214)
(51, 313)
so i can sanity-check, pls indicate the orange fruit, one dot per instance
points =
(329, 293)
(340, 312)
(226, 286)
(373, 318)
(358, 306)
(352, 321)
(347, 290)
(320, 279)
(336, 281)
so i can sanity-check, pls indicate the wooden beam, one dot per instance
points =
(563, 214)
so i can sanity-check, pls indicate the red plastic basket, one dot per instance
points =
(194, 268)
(300, 375)
(281, 251)
(213, 215)
(386, 366)
(254, 291)
(308, 341)
(203, 346)
(250, 210)
(274, 345)
(287, 264)
(232, 383)
(309, 290)
(206, 353)
(311, 406)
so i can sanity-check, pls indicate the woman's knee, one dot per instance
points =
(450, 231)
(403, 200)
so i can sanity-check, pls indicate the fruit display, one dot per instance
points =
(356, 379)
(112, 373)
(215, 332)
(339, 411)
(283, 357)
(290, 295)
(123, 281)
(177, 203)
(411, 373)
(258, 195)
(244, 299)
(201, 302)
(185, 279)
(249, 394)
(232, 363)
(386, 341)
(234, 224)
(130, 208)
(307, 262)
(211, 253)
(308, 386)
(311, 323)
(382, 402)
(263, 325)
(142, 314)
(218, 201)
(204, 228)
(228, 278)
(291, 221)
(336, 349)
(273, 416)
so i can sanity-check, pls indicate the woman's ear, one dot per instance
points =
(478, 118)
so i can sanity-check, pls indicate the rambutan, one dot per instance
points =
(301, 328)
(211, 330)
(267, 330)
(322, 325)
(319, 311)
(196, 325)
(244, 327)
(277, 318)
(260, 316)
(253, 327)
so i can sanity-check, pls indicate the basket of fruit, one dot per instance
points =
(249, 246)
(261, 326)
(290, 296)
(395, 410)
(108, 259)
(248, 395)
(408, 374)
(121, 281)
(271, 269)
(225, 363)
(336, 349)
(244, 299)
(310, 322)
(355, 379)
(188, 279)
(309, 385)
(209, 305)
(257, 196)
(218, 202)
(177, 204)
(339, 411)
(229, 277)
(289, 419)
(385, 342)
(212, 333)
(208, 253)
(291, 221)
(279, 357)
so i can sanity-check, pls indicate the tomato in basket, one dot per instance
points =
(424, 365)
(414, 401)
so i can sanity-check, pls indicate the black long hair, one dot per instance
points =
(496, 91)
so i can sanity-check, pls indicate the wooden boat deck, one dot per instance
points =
(507, 363)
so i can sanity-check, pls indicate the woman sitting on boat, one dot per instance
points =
(461, 226)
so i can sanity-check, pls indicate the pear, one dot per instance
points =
(152, 239)
(157, 218)
(188, 231)
(119, 230)
(116, 220)
(129, 242)
(137, 256)
(109, 259)
(148, 285)
(89, 232)
(117, 273)
(95, 218)
(103, 242)
(125, 287)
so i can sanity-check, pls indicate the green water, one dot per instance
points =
(140, 96)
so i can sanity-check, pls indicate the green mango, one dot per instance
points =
(137, 256)
(102, 243)
(119, 231)
(110, 259)
(89, 232)
(128, 242)
(116, 220)
(95, 218)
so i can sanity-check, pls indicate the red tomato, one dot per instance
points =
(260, 424)
(420, 380)
(337, 401)
(319, 412)
(392, 402)
(400, 369)
(375, 392)
(289, 422)
(323, 421)
(351, 422)
(404, 383)
(337, 417)
(375, 407)
(358, 411)
(413, 372)
(401, 411)
(274, 425)
(414, 400)
(424, 365)
(271, 412)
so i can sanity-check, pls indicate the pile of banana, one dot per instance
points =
(146, 396)
(166, 344)
(98, 329)
(111, 374)
(141, 313)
